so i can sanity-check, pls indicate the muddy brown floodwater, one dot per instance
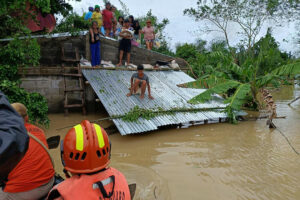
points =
(210, 162)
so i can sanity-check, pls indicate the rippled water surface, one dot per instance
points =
(210, 162)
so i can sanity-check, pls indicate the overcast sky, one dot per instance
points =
(182, 28)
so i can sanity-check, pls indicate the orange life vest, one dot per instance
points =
(108, 184)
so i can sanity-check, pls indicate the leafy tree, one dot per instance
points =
(250, 16)
(72, 23)
(23, 52)
(188, 52)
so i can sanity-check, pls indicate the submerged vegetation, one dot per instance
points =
(134, 114)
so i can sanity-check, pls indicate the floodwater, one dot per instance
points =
(210, 162)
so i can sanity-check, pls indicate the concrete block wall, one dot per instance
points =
(51, 48)
(52, 87)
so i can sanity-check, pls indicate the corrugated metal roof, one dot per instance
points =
(111, 87)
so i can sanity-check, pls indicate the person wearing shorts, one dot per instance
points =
(107, 19)
(125, 42)
(139, 82)
(149, 35)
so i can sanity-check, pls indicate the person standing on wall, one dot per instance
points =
(125, 42)
(89, 14)
(114, 22)
(97, 16)
(119, 25)
(131, 21)
(108, 19)
(33, 177)
(137, 31)
(149, 35)
(95, 44)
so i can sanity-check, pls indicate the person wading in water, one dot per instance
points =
(139, 82)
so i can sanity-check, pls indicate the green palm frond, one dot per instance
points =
(219, 56)
(239, 97)
(265, 80)
(288, 69)
(220, 88)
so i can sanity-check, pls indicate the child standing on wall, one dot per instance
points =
(149, 35)
(125, 42)
(95, 44)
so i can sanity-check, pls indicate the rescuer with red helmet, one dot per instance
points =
(85, 154)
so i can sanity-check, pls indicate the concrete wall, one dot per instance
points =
(52, 87)
(51, 48)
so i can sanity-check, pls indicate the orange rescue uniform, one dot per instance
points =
(85, 186)
(35, 169)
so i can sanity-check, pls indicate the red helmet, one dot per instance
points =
(86, 148)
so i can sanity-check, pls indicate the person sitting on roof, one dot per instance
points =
(33, 177)
(138, 83)
(85, 153)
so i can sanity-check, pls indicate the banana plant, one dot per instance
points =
(242, 83)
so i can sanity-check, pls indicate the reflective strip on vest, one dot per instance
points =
(79, 137)
(104, 182)
(99, 135)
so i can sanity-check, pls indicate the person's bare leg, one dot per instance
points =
(128, 58)
(148, 45)
(143, 89)
(134, 87)
(121, 58)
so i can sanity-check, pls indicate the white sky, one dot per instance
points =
(182, 28)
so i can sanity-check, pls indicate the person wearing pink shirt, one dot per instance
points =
(149, 35)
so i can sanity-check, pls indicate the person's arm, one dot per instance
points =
(149, 91)
(149, 88)
(153, 34)
(122, 35)
(92, 35)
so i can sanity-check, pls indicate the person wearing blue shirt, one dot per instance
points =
(88, 15)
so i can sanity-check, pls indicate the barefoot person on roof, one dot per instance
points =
(139, 81)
